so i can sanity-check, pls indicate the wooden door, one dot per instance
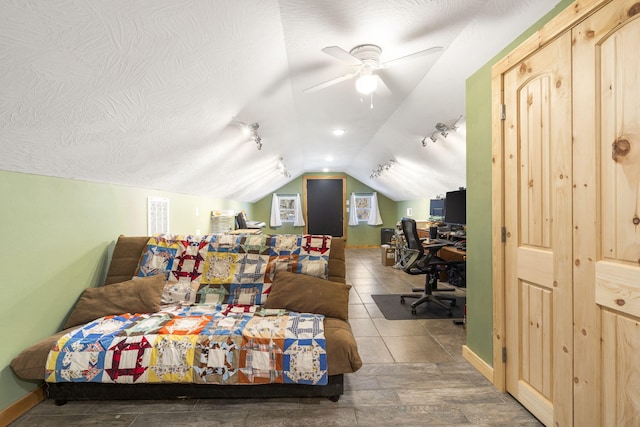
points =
(324, 205)
(537, 214)
(607, 216)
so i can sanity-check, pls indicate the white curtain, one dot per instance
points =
(374, 211)
(299, 220)
(353, 216)
(275, 212)
(275, 220)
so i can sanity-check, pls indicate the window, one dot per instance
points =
(363, 207)
(287, 206)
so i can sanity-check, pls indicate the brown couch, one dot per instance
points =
(342, 352)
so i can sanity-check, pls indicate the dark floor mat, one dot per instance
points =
(392, 309)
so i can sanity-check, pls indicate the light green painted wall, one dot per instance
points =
(478, 117)
(359, 235)
(364, 234)
(57, 237)
(419, 209)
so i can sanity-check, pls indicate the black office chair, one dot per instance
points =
(241, 221)
(428, 264)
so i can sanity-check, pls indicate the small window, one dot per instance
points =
(287, 205)
(157, 215)
(363, 207)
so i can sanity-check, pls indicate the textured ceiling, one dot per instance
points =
(149, 93)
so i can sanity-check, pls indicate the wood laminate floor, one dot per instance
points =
(413, 375)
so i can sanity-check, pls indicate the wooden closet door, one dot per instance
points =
(537, 212)
(607, 216)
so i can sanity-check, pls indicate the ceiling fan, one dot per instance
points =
(365, 59)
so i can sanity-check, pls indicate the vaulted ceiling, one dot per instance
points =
(152, 93)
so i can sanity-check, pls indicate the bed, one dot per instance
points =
(231, 316)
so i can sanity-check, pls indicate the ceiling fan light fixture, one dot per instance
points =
(366, 84)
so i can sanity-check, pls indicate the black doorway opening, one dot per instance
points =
(325, 205)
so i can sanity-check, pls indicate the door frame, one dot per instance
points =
(564, 21)
(343, 178)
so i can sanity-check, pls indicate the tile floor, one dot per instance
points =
(413, 375)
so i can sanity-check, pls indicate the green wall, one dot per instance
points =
(478, 118)
(57, 237)
(419, 209)
(357, 235)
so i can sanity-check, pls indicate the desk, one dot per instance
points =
(447, 253)
(450, 253)
(451, 236)
(446, 250)
(246, 231)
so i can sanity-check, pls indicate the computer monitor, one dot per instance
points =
(455, 210)
(436, 208)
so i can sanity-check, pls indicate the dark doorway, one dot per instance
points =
(325, 205)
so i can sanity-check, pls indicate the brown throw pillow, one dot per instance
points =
(308, 294)
(133, 296)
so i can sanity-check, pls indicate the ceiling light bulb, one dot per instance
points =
(337, 132)
(366, 84)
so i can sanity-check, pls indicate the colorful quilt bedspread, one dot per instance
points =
(232, 269)
(197, 344)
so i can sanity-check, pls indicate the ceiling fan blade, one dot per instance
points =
(414, 55)
(382, 88)
(341, 54)
(330, 82)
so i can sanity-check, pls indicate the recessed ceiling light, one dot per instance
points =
(325, 169)
(329, 158)
(338, 132)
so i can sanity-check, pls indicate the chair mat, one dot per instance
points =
(392, 309)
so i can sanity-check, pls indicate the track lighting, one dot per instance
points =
(251, 131)
(253, 134)
(382, 168)
(442, 129)
(282, 168)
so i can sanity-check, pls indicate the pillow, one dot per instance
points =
(308, 294)
(141, 295)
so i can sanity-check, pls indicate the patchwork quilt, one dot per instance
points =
(231, 269)
(207, 344)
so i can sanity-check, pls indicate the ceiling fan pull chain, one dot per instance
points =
(371, 106)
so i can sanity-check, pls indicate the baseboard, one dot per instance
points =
(21, 406)
(481, 366)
